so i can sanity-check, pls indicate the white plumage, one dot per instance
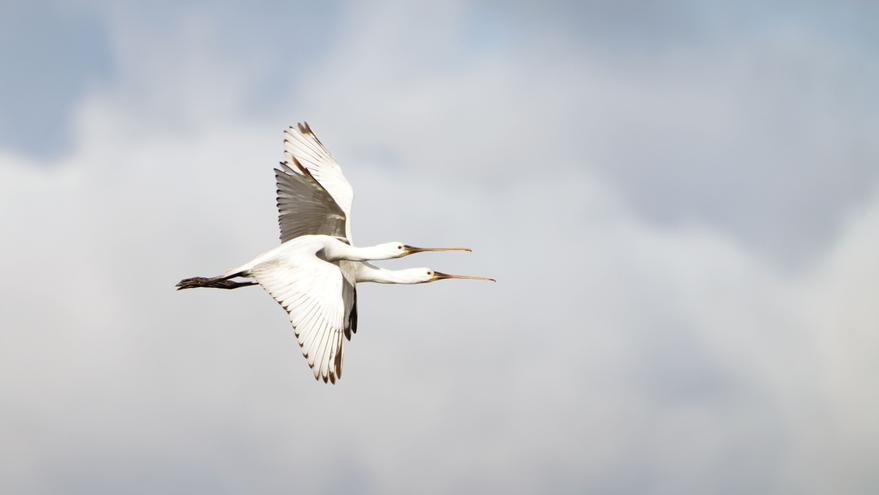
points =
(301, 144)
(314, 272)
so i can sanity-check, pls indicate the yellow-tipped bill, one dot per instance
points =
(413, 249)
(443, 276)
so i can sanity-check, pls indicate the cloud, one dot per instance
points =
(42, 77)
(616, 354)
(729, 129)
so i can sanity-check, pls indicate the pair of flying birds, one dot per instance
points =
(314, 272)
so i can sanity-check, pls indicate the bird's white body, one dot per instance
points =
(314, 272)
(313, 277)
(327, 248)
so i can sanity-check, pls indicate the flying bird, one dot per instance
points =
(313, 273)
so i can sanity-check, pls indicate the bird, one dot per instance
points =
(313, 273)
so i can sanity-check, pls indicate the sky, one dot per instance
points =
(680, 202)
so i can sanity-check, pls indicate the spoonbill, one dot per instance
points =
(314, 272)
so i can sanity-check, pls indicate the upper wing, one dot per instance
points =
(301, 143)
(304, 206)
(319, 302)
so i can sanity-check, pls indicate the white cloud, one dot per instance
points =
(614, 355)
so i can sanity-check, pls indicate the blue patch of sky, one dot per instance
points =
(50, 55)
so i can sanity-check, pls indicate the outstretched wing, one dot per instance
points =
(304, 206)
(301, 143)
(319, 302)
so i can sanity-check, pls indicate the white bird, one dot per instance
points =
(313, 273)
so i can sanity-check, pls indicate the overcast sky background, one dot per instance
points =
(679, 201)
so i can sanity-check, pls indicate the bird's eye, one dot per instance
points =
(400, 247)
(430, 273)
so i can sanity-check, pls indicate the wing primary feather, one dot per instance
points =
(312, 324)
(312, 134)
(333, 350)
(316, 153)
(285, 168)
(352, 318)
(298, 140)
(302, 143)
(316, 324)
(327, 360)
(321, 350)
(301, 167)
(306, 331)
(306, 207)
(339, 358)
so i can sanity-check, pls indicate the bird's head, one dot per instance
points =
(399, 250)
(424, 275)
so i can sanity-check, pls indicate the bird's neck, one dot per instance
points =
(371, 273)
(337, 250)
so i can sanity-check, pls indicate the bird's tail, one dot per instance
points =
(221, 282)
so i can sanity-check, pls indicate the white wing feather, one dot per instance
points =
(304, 206)
(311, 292)
(300, 142)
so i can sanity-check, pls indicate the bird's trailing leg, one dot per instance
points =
(212, 282)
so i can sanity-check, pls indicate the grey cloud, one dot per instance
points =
(58, 54)
(616, 354)
(763, 132)
(573, 373)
